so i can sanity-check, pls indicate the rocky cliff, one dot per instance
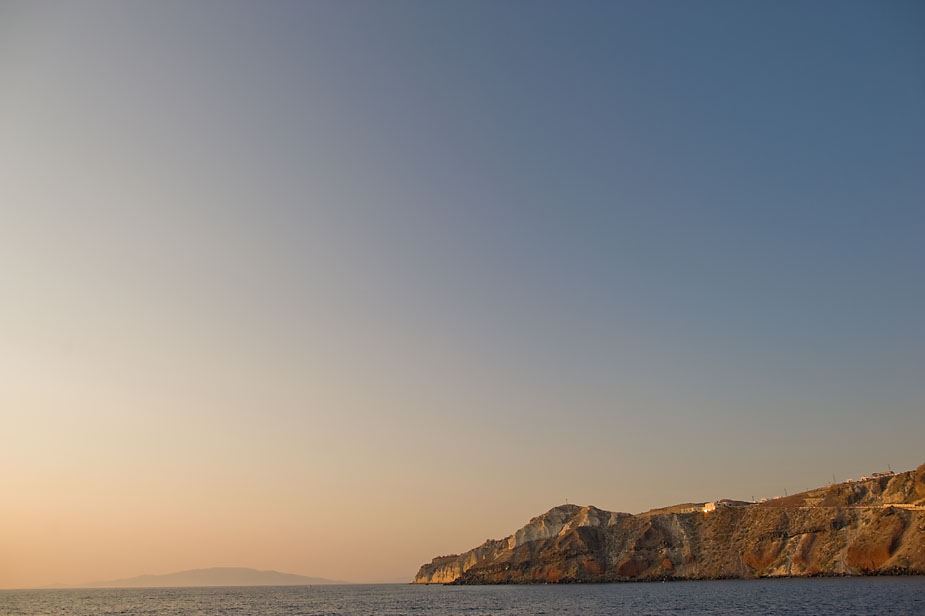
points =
(870, 527)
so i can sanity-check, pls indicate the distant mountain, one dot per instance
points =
(215, 576)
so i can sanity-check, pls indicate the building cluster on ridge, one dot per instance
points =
(714, 505)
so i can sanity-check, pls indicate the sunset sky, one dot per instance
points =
(336, 287)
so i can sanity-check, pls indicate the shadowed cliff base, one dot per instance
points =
(875, 526)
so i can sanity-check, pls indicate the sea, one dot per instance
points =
(827, 596)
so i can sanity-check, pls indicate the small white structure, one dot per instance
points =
(725, 502)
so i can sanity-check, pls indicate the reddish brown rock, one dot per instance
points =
(868, 527)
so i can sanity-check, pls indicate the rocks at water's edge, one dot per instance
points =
(870, 527)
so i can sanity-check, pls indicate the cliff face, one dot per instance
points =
(564, 521)
(863, 528)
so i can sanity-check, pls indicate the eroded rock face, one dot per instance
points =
(563, 522)
(843, 529)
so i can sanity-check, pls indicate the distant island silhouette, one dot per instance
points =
(214, 576)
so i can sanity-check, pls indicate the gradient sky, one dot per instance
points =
(335, 287)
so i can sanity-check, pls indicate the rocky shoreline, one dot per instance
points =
(871, 527)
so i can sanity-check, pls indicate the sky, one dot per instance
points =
(333, 288)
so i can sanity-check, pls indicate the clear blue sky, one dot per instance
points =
(450, 263)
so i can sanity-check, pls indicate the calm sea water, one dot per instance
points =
(818, 596)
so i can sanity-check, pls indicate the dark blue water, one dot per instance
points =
(789, 596)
